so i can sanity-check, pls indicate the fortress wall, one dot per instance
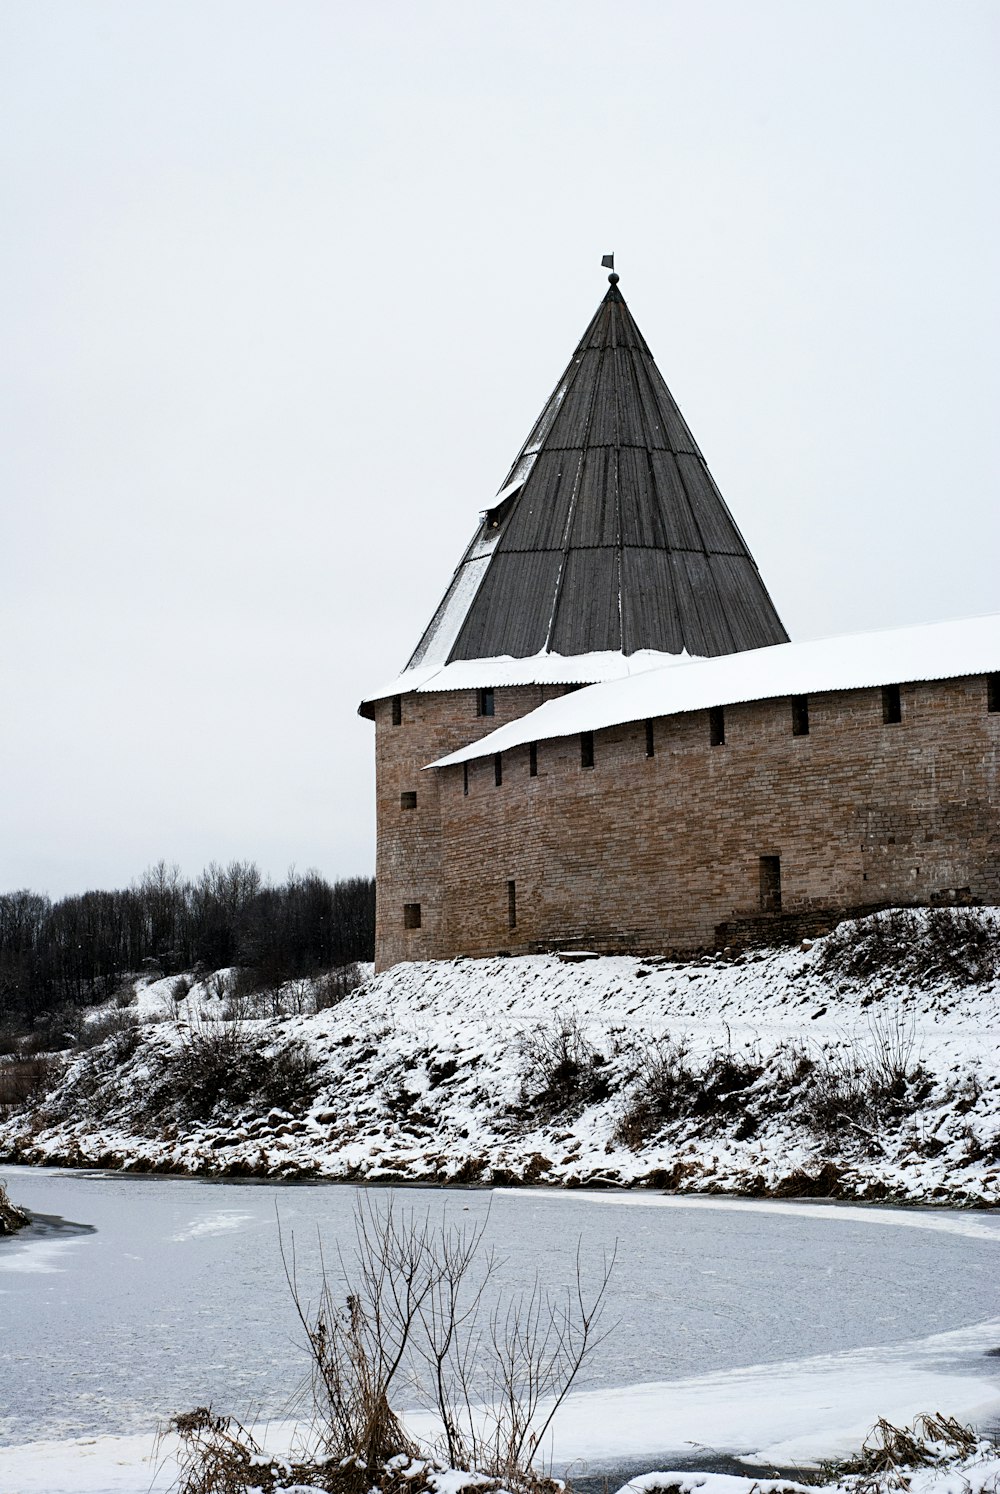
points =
(647, 854)
(408, 867)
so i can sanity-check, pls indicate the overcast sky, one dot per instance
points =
(285, 285)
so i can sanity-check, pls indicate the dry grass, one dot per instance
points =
(221, 1067)
(925, 947)
(890, 1453)
(221, 1456)
(672, 1087)
(853, 1088)
(11, 1217)
(564, 1070)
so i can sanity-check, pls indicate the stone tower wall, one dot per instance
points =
(409, 855)
(655, 853)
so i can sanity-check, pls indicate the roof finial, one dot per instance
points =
(608, 263)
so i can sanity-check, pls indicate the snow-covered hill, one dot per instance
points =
(862, 1066)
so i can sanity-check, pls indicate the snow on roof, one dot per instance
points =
(933, 651)
(538, 669)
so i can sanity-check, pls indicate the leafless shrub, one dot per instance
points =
(891, 1052)
(673, 1087)
(218, 985)
(565, 1070)
(54, 1031)
(927, 946)
(249, 996)
(335, 986)
(242, 1005)
(119, 1026)
(220, 1067)
(297, 998)
(25, 1077)
(12, 1035)
(860, 1085)
(180, 988)
(415, 1308)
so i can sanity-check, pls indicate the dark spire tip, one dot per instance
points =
(613, 278)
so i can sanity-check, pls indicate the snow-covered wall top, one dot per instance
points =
(538, 669)
(933, 651)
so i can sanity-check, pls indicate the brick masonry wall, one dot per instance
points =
(409, 861)
(647, 854)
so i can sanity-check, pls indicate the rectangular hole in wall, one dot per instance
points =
(397, 710)
(650, 740)
(533, 760)
(411, 915)
(485, 703)
(586, 749)
(465, 778)
(892, 706)
(717, 726)
(993, 692)
(408, 799)
(770, 884)
(800, 715)
(498, 769)
(511, 906)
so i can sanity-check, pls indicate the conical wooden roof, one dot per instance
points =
(609, 532)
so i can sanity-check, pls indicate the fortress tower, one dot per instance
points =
(608, 550)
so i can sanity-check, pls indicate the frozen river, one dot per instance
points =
(173, 1295)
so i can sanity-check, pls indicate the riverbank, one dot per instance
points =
(865, 1065)
(150, 1465)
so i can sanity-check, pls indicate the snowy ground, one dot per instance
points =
(446, 1072)
(145, 1465)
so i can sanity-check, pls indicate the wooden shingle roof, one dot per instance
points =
(609, 532)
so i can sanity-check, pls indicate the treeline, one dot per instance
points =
(76, 950)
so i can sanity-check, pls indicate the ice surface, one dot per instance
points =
(718, 1304)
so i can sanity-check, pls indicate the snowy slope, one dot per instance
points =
(450, 1072)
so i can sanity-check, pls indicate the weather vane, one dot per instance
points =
(608, 263)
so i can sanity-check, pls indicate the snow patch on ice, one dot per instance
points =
(972, 1229)
(220, 1223)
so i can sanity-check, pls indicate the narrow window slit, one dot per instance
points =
(533, 760)
(993, 692)
(397, 710)
(511, 906)
(485, 703)
(498, 768)
(465, 779)
(650, 740)
(586, 749)
(717, 727)
(800, 715)
(892, 706)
